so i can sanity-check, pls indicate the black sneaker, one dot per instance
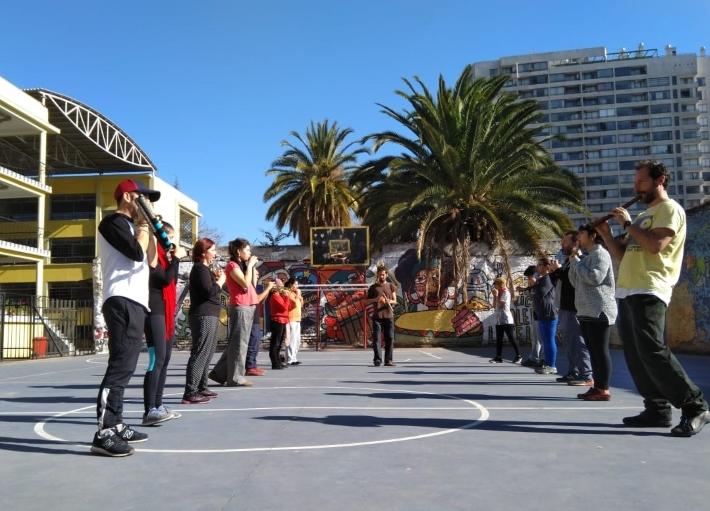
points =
(690, 426)
(647, 420)
(130, 435)
(110, 445)
(566, 378)
(517, 359)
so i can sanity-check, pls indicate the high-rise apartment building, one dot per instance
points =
(614, 109)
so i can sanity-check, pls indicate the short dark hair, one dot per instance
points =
(382, 267)
(571, 233)
(290, 282)
(200, 249)
(529, 271)
(655, 169)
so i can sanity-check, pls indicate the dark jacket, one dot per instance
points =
(544, 299)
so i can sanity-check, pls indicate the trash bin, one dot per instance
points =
(39, 347)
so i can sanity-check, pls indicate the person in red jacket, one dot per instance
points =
(280, 303)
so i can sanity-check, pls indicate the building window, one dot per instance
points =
(72, 250)
(72, 207)
(630, 71)
(661, 121)
(532, 80)
(18, 210)
(664, 108)
(599, 73)
(662, 135)
(564, 77)
(630, 84)
(631, 98)
(661, 81)
(532, 66)
(186, 228)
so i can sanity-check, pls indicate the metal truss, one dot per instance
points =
(100, 130)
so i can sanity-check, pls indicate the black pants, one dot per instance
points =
(159, 351)
(384, 326)
(278, 334)
(659, 377)
(595, 332)
(125, 321)
(507, 330)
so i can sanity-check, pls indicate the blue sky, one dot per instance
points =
(209, 89)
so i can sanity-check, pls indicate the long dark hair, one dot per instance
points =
(235, 245)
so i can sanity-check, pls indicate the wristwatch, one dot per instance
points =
(626, 224)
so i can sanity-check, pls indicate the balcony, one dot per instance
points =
(19, 234)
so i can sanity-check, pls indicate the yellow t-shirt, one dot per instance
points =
(641, 272)
(295, 313)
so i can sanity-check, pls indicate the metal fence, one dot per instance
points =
(38, 327)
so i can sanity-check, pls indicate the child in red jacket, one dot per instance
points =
(280, 303)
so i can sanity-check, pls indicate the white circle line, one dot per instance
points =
(39, 427)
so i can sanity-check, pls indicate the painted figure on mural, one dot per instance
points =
(426, 286)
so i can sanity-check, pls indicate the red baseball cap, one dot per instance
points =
(129, 185)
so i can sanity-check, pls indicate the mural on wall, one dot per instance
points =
(688, 318)
(434, 305)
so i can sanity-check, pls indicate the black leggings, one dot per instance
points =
(159, 351)
(278, 333)
(596, 337)
(507, 330)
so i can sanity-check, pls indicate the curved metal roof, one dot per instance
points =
(89, 142)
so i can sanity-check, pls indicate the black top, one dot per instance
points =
(159, 279)
(118, 233)
(204, 292)
(567, 289)
(544, 299)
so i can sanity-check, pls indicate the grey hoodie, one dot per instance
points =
(593, 281)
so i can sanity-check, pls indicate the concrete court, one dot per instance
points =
(443, 430)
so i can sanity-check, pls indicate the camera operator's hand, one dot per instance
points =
(253, 260)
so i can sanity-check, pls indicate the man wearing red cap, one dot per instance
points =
(127, 249)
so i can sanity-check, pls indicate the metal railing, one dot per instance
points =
(38, 327)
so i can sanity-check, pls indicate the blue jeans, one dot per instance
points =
(577, 352)
(548, 329)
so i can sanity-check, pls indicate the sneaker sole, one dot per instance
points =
(157, 421)
(103, 452)
(135, 441)
(184, 402)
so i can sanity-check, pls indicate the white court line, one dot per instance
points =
(562, 408)
(39, 427)
(430, 355)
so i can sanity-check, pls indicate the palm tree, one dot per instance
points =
(473, 169)
(311, 181)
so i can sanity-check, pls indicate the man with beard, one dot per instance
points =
(383, 295)
(127, 250)
(651, 256)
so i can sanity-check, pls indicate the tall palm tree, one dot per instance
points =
(311, 180)
(473, 169)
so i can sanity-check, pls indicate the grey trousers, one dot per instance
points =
(231, 366)
(576, 350)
